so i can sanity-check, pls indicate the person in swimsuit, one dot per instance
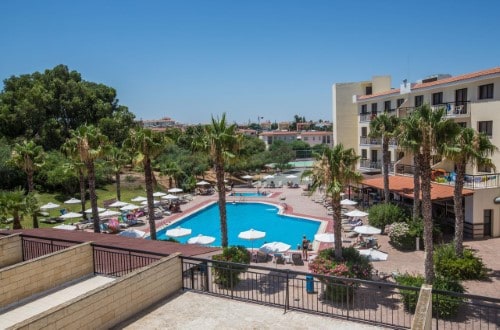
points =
(305, 247)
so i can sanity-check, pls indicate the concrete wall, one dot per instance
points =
(10, 250)
(422, 319)
(483, 199)
(115, 302)
(25, 279)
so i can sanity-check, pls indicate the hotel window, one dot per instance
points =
(374, 108)
(363, 109)
(419, 100)
(368, 90)
(399, 102)
(437, 98)
(484, 168)
(485, 127)
(387, 105)
(486, 92)
(364, 132)
(364, 154)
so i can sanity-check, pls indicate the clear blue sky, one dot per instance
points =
(190, 59)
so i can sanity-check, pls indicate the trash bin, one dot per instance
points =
(309, 284)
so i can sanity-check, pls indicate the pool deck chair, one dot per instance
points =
(297, 259)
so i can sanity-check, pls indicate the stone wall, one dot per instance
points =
(25, 279)
(114, 302)
(11, 251)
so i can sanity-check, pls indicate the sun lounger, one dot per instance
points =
(297, 259)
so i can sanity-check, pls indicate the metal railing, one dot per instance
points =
(454, 109)
(368, 163)
(471, 181)
(112, 261)
(375, 302)
(363, 301)
(370, 140)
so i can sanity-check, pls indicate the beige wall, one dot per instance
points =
(10, 250)
(483, 199)
(25, 279)
(115, 302)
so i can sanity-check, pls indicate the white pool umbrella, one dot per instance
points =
(65, 227)
(356, 213)
(291, 176)
(275, 247)
(175, 190)
(49, 206)
(348, 202)
(268, 177)
(108, 213)
(247, 177)
(139, 199)
(367, 230)
(72, 201)
(202, 183)
(99, 210)
(170, 196)
(130, 207)
(325, 237)
(118, 204)
(71, 215)
(252, 235)
(133, 233)
(145, 203)
(374, 255)
(201, 239)
(159, 194)
(178, 232)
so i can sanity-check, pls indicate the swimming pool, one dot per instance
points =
(248, 194)
(242, 217)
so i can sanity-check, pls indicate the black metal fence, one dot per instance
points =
(118, 262)
(112, 261)
(375, 302)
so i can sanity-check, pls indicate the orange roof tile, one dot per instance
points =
(458, 78)
(391, 91)
(403, 185)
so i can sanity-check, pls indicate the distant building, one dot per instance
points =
(247, 132)
(311, 137)
(159, 124)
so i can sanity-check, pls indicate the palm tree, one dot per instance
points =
(75, 165)
(117, 159)
(468, 148)
(32, 208)
(385, 127)
(173, 171)
(146, 145)
(13, 203)
(335, 170)
(28, 156)
(90, 145)
(221, 141)
(434, 131)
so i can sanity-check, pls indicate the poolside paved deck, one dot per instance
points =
(190, 310)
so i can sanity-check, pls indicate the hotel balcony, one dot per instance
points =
(455, 109)
(364, 140)
(369, 164)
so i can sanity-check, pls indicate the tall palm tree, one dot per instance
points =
(434, 131)
(335, 170)
(28, 156)
(221, 141)
(12, 203)
(468, 148)
(90, 145)
(117, 159)
(410, 139)
(146, 145)
(32, 208)
(384, 127)
(75, 165)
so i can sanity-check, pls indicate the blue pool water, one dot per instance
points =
(242, 217)
(247, 194)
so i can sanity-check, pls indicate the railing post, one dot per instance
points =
(130, 261)
(287, 291)
(348, 300)
(93, 257)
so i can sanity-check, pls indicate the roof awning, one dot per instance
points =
(403, 185)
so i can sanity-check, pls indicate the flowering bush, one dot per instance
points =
(352, 265)
(401, 237)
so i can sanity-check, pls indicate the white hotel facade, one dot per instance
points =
(472, 100)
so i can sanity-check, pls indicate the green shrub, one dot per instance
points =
(443, 306)
(381, 215)
(401, 237)
(227, 276)
(448, 264)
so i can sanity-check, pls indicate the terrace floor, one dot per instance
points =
(190, 310)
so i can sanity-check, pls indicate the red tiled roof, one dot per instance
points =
(391, 91)
(316, 133)
(403, 185)
(110, 240)
(458, 78)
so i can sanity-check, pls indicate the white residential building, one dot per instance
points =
(472, 100)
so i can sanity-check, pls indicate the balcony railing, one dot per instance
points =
(455, 109)
(472, 181)
(370, 141)
(368, 163)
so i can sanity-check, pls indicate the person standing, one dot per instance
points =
(305, 247)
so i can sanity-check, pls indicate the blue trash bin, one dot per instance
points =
(309, 284)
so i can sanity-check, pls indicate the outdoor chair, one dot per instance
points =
(260, 256)
(297, 259)
(279, 259)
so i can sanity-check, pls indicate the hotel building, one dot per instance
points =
(472, 100)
